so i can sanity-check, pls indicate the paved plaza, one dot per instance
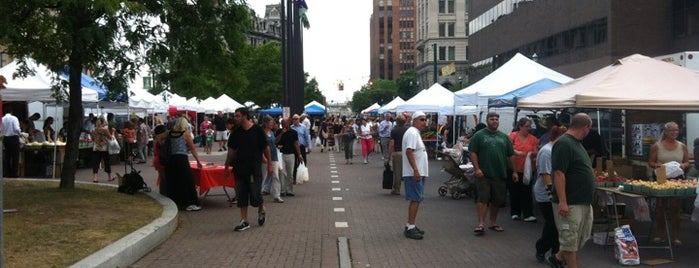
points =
(347, 201)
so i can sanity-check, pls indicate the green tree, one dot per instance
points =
(311, 92)
(204, 49)
(407, 85)
(263, 69)
(380, 91)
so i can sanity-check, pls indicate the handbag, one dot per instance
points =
(387, 177)
(527, 170)
(114, 147)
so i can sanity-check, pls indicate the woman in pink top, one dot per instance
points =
(524, 145)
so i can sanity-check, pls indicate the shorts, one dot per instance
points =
(491, 191)
(221, 135)
(414, 191)
(574, 230)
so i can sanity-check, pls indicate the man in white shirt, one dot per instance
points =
(415, 171)
(10, 131)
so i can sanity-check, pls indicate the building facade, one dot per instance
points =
(392, 38)
(267, 28)
(442, 41)
(576, 37)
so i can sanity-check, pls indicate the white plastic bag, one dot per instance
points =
(301, 174)
(114, 146)
(626, 249)
(317, 141)
(673, 170)
(527, 179)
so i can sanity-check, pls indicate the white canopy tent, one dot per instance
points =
(371, 108)
(315, 103)
(518, 72)
(228, 104)
(636, 82)
(36, 87)
(391, 106)
(435, 99)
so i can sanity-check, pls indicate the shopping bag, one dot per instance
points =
(114, 146)
(626, 250)
(301, 174)
(387, 178)
(527, 178)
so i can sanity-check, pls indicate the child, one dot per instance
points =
(210, 133)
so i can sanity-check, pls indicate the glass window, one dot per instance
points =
(450, 6)
(451, 54)
(442, 7)
(450, 29)
(442, 29)
(442, 53)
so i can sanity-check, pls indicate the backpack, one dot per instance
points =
(165, 151)
(132, 183)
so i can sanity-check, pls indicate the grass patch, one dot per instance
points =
(57, 227)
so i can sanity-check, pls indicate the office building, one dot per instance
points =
(392, 38)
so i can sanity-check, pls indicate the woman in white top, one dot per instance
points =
(366, 139)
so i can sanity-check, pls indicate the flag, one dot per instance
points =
(449, 69)
(302, 13)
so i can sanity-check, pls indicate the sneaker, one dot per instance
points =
(365, 161)
(413, 234)
(242, 226)
(540, 257)
(261, 218)
(395, 193)
(418, 230)
(515, 217)
(290, 194)
(554, 262)
(193, 208)
(278, 200)
(530, 219)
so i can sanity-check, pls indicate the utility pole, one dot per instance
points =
(434, 62)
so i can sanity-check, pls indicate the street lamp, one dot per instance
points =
(535, 57)
(461, 79)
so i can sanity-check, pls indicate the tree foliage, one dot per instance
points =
(407, 85)
(380, 91)
(263, 69)
(311, 92)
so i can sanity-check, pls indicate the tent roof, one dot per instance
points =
(227, 104)
(35, 87)
(272, 111)
(371, 108)
(314, 110)
(515, 73)
(635, 82)
(391, 106)
(510, 99)
(435, 99)
(314, 103)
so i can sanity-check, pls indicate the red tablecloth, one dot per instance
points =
(210, 176)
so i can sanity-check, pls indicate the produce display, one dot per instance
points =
(603, 179)
(669, 188)
(46, 143)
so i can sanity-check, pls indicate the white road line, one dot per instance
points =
(334, 176)
(341, 224)
(336, 189)
(334, 181)
(333, 171)
(337, 198)
(338, 209)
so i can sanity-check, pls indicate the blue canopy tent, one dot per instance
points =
(271, 111)
(510, 99)
(89, 82)
(314, 110)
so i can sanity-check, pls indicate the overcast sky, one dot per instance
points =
(336, 46)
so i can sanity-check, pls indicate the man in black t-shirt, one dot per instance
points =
(248, 143)
(221, 133)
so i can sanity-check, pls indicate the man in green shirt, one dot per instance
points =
(574, 186)
(492, 156)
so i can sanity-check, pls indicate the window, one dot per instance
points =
(450, 29)
(147, 83)
(442, 29)
(450, 6)
(451, 55)
(442, 53)
(442, 6)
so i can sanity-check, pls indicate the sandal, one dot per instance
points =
(95, 181)
(676, 242)
(496, 228)
(478, 231)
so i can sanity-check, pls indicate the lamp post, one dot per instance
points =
(461, 80)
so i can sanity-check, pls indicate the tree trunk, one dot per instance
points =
(75, 123)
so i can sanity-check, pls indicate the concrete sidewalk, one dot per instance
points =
(347, 201)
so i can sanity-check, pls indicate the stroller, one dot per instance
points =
(462, 181)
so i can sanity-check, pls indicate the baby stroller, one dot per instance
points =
(462, 181)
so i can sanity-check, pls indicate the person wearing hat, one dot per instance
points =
(415, 171)
(492, 156)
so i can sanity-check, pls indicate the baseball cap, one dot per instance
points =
(418, 114)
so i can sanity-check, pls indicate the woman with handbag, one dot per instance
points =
(100, 150)
(525, 146)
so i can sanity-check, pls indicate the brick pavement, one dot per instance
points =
(301, 232)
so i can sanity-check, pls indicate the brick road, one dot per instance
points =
(302, 231)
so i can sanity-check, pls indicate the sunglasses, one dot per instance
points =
(422, 119)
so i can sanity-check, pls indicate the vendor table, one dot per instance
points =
(614, 192)
(36, 161)
(211, 175)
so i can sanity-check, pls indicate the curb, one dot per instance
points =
(132, 247)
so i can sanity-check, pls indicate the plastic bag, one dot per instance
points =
(280, 163)
(626, 249)
(114, 146)
(301, 174)
(673, 170)
(695, 213)
(317, 141)
(527, 169)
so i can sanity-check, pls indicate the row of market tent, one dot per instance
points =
(635, 82)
